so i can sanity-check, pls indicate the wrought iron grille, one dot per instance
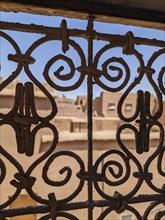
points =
(25, 121)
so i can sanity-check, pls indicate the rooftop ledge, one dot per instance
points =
(66, 136)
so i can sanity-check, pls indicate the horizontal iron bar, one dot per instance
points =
(56, 32)
(78, 205)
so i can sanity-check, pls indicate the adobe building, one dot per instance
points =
(105, 115)
(81, 102)
(106, 104)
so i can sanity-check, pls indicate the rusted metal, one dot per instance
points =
(26, 122)
(51, 31)
(90, 121)
(78, 205)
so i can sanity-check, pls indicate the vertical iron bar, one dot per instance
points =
(90, 122)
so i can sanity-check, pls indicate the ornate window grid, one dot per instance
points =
(23, 115)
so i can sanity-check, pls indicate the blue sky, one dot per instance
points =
(44, 53)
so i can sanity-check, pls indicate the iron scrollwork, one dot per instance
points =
(26, 122)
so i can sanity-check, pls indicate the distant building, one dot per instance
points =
(81, 102)
(106, 104)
